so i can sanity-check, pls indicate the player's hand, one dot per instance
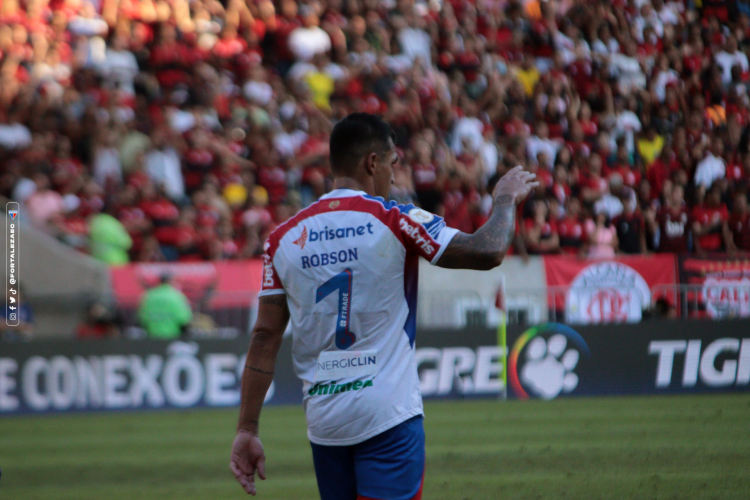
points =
(516, 183)
(248, 458)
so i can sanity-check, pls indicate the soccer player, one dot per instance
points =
(345, 270)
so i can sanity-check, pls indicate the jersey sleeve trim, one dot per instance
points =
(418, 230)
(272, 291)
(446, 236)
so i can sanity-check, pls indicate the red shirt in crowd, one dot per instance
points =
(284, 28)
(560, 191)
(740, 227)
(187, 239)
(673, 230)
(658, 172)
(132, 218)
(206, 216)
(161, 211)
(198, 162)
(273, 179)
(630, 177)
(548, 230)
(516, 127)
(572, 234)
(735, 172)
(582, 148)
(425, 176)
(712, 241)
(593, 182)
(457, 214)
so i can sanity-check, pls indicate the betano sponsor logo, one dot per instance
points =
(335, 388)
(413, 233)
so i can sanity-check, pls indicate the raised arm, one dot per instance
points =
(247, 451)
(486, 248)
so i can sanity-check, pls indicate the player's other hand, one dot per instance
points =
(248, 458)
(516, 183)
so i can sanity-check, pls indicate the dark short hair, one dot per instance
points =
(355, 136)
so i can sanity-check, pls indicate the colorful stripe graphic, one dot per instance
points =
(545, 328)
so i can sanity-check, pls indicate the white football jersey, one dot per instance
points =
(348, 265)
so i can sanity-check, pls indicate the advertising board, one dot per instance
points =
(544, 361)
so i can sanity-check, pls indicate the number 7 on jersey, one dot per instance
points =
(342, 283)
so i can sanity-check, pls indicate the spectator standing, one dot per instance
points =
(650, 145)
(109, 241)
(730, 57)
(106, 160)
(602, 237)
(163, 166)
(45, 205)
(710, 226)
(119, 67)
(739, 223)
(670, 224)
(541, 231)
(631, 229)
(571, 229)
(164, 311)
(712, 167)
(309, 40)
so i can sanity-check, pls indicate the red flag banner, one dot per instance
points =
(716, 286)
(221, 284)
(606, 291)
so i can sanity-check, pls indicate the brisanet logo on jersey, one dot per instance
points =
(330, 234)
(722, 363)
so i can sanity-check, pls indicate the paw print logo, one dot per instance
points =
(543, 360)
(548, 370)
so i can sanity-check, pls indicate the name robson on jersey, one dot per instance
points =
(326, 259)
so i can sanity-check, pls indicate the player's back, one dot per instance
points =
(348, 264)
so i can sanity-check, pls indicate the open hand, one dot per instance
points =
(247, 458)
(514, 185)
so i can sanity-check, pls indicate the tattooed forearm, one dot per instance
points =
(252, 368)
(273, 316)
(487, 247)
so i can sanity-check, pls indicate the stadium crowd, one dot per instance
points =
(143, 130)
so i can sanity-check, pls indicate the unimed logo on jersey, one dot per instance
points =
(334, 388)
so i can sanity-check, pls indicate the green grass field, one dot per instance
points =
(584, 448)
